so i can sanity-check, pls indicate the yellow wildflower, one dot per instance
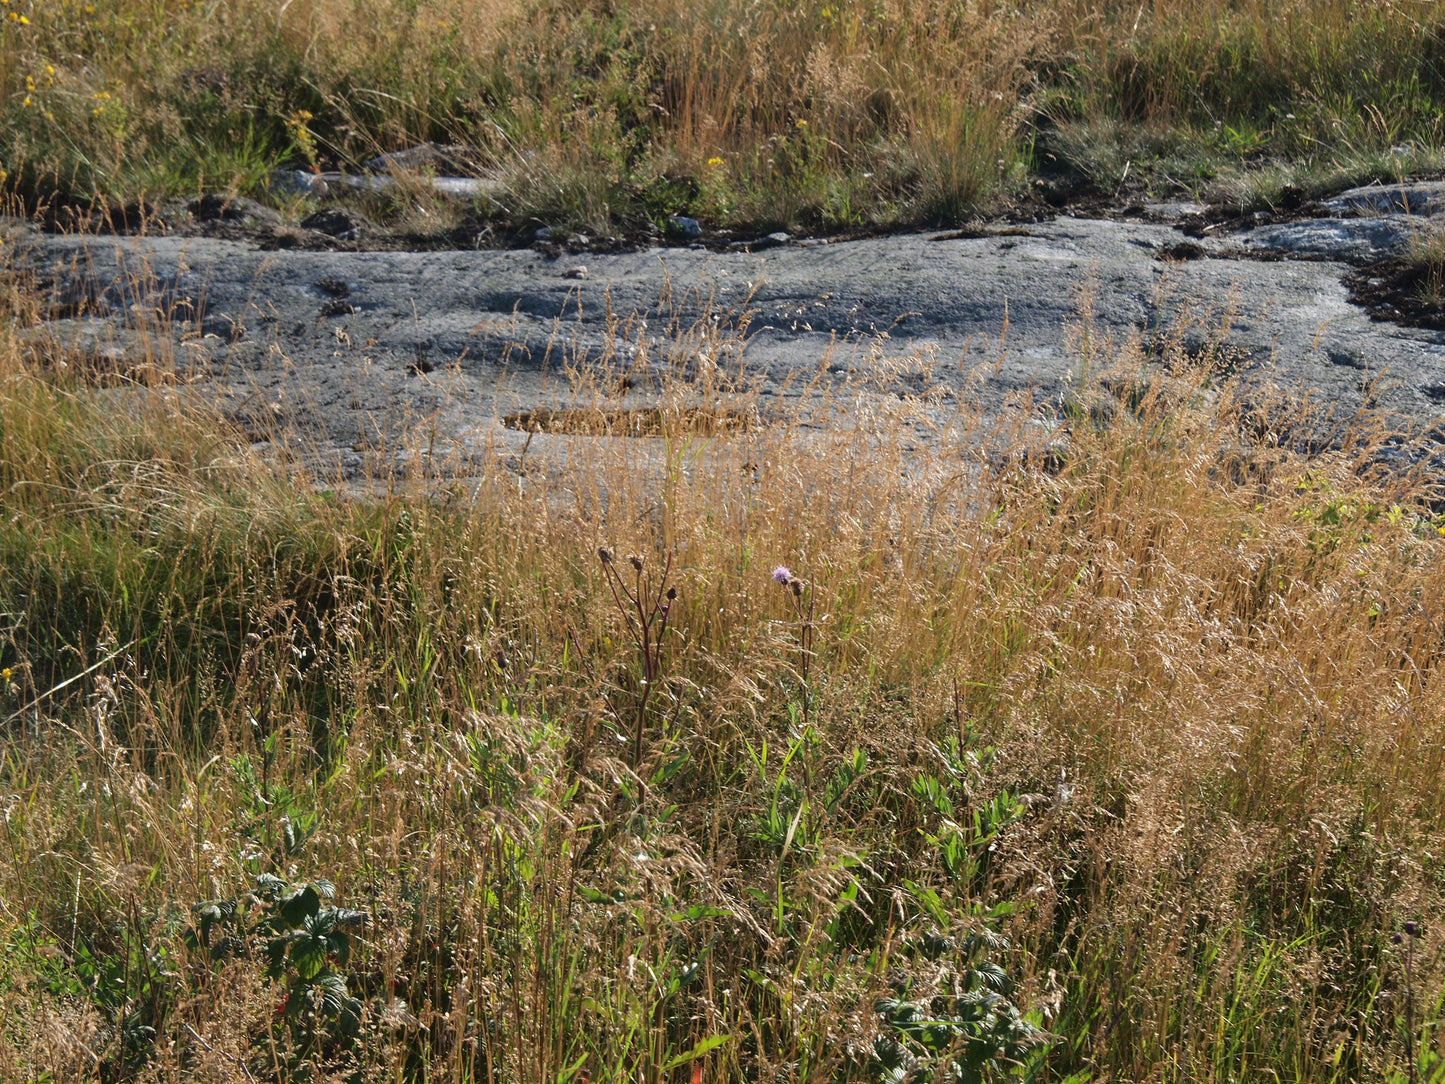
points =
(714, 162)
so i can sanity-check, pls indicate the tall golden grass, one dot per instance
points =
(1145, 704)
(827, 115)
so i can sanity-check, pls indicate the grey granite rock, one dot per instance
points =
(984, 318)
(1361, 225)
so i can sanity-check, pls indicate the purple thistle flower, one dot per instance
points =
(782, 575)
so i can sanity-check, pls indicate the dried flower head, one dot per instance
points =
(636, 561)
(604, 555)
(671, 594)
(782, 575)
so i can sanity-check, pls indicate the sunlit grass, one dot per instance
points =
(759, 116)
(1128, 734)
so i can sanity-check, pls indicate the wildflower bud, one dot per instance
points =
(797, 587)
(1412, 928)
(1396, 938)
(671, 593)
(604, 555)
(636, 561)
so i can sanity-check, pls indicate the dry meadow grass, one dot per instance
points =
(1106, 753)
(607, 117)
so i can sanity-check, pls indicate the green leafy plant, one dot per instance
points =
(972, 1033)
(305, 945)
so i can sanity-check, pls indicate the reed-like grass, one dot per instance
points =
(1115, 752)
(841, 115)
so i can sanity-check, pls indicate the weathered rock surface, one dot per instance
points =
(348, 350)
(1360, 225)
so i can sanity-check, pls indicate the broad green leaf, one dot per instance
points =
(308, 956)
(300, 905)
(698, 911)
(703, 1046)
(339, 945)
(270, 887)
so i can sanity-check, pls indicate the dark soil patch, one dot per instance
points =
(1184, 250)
(100, 216)
(334, 287)
(340, 228)
(637, 422)
(973, 233)
(1412, 295)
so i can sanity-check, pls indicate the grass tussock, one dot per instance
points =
(609, 117)
(904, 747)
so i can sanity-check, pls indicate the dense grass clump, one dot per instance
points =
(906, 746)
(855, 114)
